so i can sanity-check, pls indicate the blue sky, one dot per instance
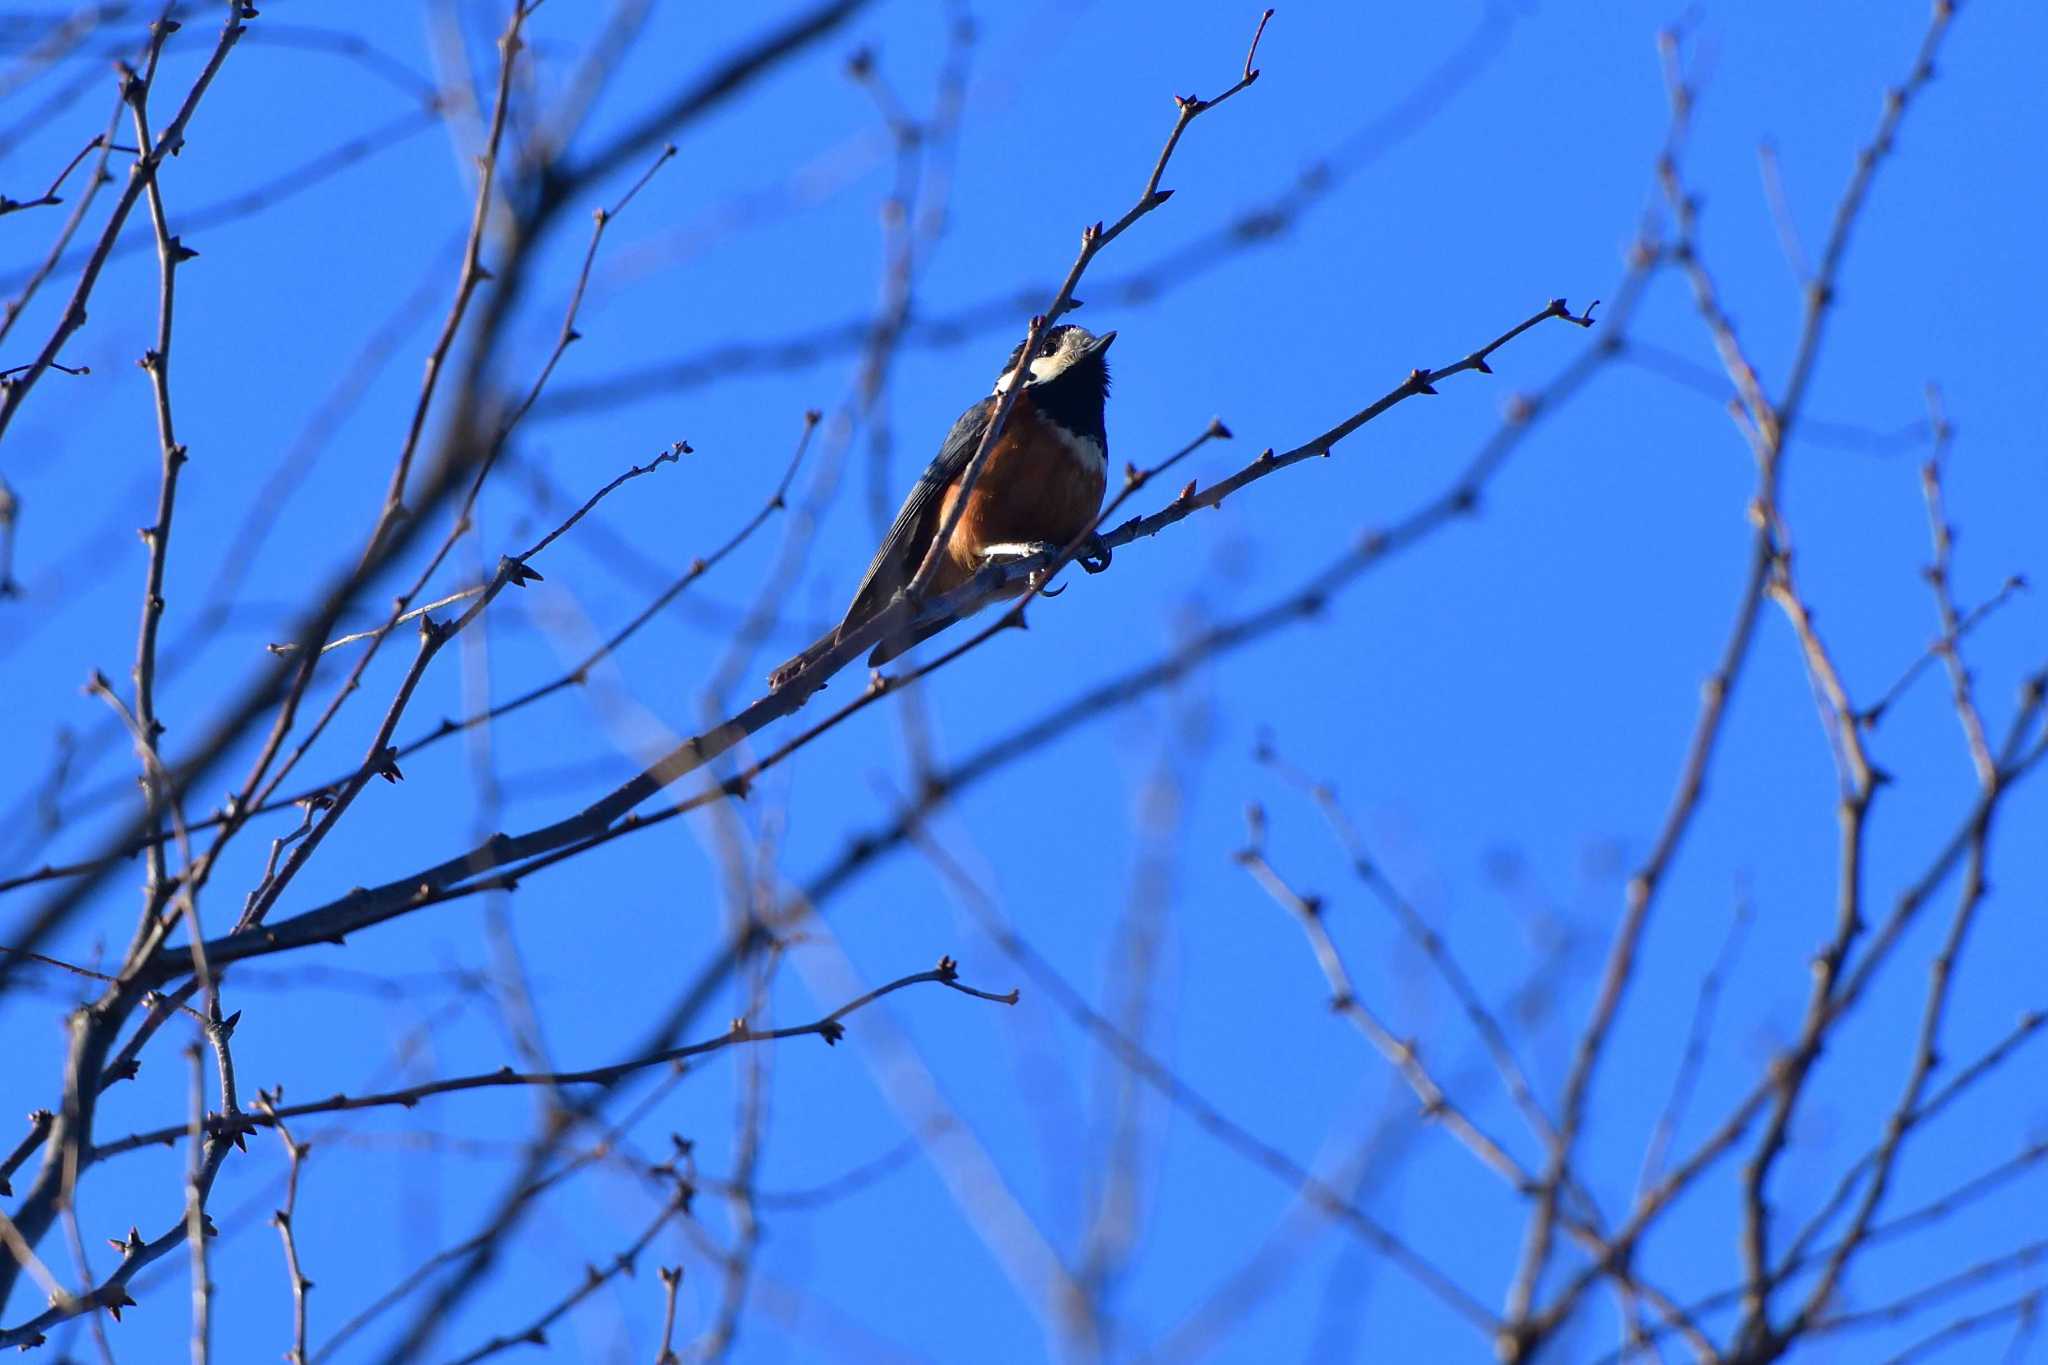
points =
(1502, 708)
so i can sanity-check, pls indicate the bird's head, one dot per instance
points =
(1064, 351)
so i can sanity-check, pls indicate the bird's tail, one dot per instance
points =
(787, 671)
(903, 640)
(890, 647)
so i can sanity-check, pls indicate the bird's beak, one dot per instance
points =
(1101, 343)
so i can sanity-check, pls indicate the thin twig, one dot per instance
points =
(1925, 1058)
(1431, 944)
(112, 1293)
(1693, 1059)
(1402, 1054)
(2023, 1309)
(1773, 176)
(146, 727)
(142, 175)
(49, 197)
(1918, 1300)
(1798, 1254)
(39, 1122)
(671, 1277)
(295, 1158)
(196, 1226)
(53, 259)
(1940, 648)
(471, 274)
(1940, 580)
(420, 1275)
(1212, 1120)
(829, 1028)
(593, 1279)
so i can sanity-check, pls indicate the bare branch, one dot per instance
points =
(829, 1028)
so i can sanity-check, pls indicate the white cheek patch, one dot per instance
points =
(1037, 372)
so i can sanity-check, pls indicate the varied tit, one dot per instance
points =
(1040, 488)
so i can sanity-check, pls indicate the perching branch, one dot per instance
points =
(504, 860)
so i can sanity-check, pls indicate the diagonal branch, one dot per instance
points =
(507, 857)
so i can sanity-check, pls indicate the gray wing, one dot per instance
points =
(916, 522)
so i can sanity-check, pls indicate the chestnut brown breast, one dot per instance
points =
(1035, 485)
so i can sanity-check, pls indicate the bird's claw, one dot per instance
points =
(1094, 556)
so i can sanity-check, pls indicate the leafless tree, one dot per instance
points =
(424, 569)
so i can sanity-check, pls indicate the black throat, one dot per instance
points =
(1074, 398)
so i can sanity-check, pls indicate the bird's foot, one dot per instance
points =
(1011, 551)
(1094, 555)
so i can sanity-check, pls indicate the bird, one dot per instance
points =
(1040, 488)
